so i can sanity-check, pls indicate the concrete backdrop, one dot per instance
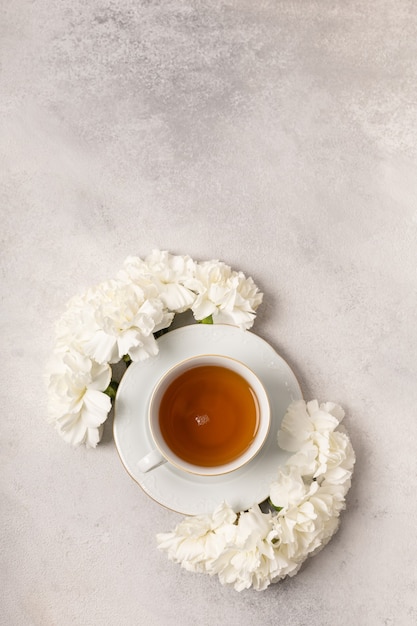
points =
(280, 137)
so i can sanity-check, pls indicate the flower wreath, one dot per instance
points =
(119, 320)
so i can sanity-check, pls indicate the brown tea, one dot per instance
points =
(209, 415)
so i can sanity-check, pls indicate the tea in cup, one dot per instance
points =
(208, 415)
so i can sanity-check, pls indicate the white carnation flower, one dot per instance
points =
(329, 499)
(289, 489)
(255, 549)
(310, 522)
(335, 457)
(303, 421)
(302, 527)
(327, 453)
(228, 296)
(198, 540)
(287, 564)
(74, 326)
(250, 559)
(299, 530)
(123, 318)
(305, 460)
(76, 402)
(308, 508)
(168, 273)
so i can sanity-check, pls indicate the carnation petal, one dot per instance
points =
(95, 408)
(126, 341)
(177, 298)
(93, 436)
(102, 347)
(72, 429)
(100, 375)
(146, 348)
(324, 421)
(203, 308)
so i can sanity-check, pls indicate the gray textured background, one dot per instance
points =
(279, 137)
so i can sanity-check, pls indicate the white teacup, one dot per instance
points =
(208, 415)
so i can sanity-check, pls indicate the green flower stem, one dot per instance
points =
(277, 508)
(112, 389)
(206, 320)
(127, 360)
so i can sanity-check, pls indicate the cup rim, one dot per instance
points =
(226, 468)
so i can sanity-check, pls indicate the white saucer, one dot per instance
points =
(188, 493)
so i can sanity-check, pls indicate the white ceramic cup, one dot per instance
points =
(162, 453)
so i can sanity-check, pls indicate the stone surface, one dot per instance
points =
(280, 137)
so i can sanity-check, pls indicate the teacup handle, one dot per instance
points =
(151, 460)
